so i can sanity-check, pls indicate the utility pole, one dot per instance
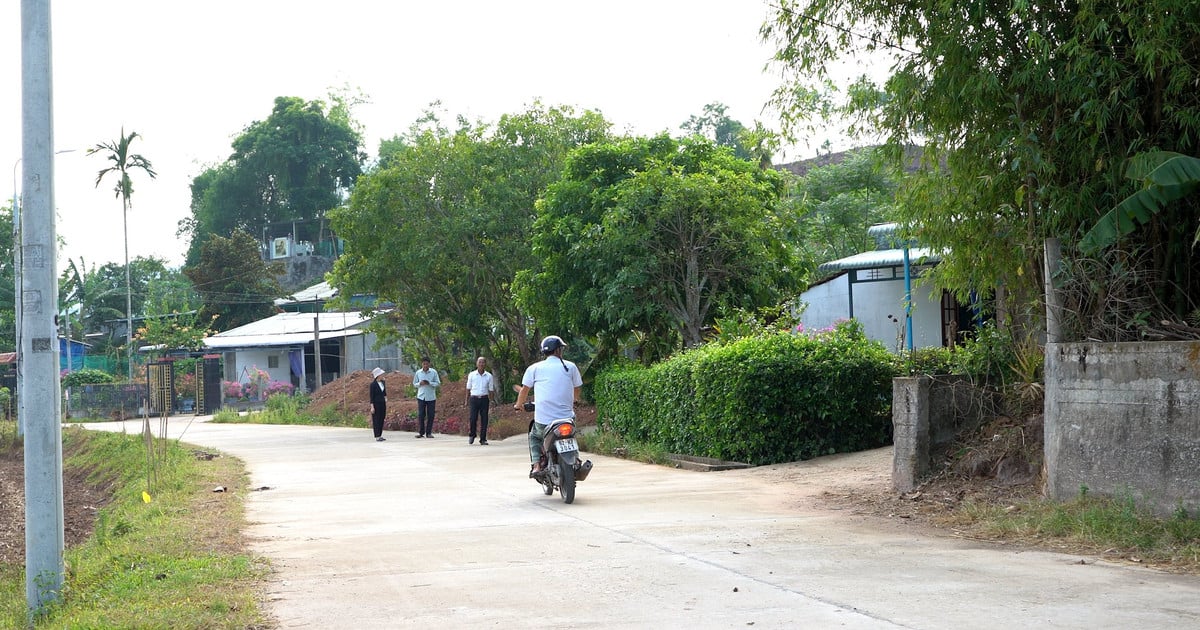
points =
(317, 348)
(39, 380)
(16, 221)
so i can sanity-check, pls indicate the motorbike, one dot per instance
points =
(561, 467)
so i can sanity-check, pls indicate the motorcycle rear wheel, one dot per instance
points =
(567, 482)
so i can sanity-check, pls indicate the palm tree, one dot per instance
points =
(122, 163)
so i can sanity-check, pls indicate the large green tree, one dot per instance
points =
(655, 237)
(717, 126)
(442, 227)
(235, 284)
(1029, 112)
(757, 143)
(296, 164)
(837, 202)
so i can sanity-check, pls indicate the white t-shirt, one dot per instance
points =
(553, 388)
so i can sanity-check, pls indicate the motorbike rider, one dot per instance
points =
(557, 382)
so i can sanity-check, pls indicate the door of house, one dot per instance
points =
(950, 321)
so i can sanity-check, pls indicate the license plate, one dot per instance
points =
(566, 445)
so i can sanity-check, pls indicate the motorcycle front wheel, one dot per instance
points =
(567, 482)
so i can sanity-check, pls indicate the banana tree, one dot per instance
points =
(1167, 177)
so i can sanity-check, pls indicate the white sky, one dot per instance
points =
(190, 75)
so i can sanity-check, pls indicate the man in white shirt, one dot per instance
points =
(426, 381)
(556, 382)
(480, 386)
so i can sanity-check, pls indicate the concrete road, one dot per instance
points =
(438, 534)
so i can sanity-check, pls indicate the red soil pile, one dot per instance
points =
(351, 394)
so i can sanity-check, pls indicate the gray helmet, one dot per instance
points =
(552, 343)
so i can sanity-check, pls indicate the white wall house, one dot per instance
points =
(870, 287)
(285, 347)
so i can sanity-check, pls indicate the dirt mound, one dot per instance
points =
(351, 394)
(81, 500)
(998, 465)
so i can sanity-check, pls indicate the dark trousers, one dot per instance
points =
(377, 419)
(479, 412)
(425, 411)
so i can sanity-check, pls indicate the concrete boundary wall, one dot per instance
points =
(1123, 420)
(928, 412)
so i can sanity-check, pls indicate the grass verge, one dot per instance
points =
(175, 562)
(291, 410)
(610, 443)
(1114, 529)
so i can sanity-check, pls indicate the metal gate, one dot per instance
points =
(160, 377)
(208, 383)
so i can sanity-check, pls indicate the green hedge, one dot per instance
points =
(760, 400)
(87, 376)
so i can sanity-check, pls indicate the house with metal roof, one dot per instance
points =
(303, 348)
(879, 288)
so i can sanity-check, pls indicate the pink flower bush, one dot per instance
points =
(231, 389)
(279, 387)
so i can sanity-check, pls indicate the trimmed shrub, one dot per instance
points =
(930, 360)
(87, 376)
(761, 400)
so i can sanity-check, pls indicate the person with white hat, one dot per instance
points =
(378, 403)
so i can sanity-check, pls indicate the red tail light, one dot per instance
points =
(566, 430)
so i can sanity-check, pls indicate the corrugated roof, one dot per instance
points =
(286, 329)
(319, 292)
(882, 258)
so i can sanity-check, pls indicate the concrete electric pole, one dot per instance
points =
(39, 379)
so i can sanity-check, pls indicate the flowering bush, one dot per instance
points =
(185, 385)
(231, 389)
(258, 387)
(841, 327)
(279, 387)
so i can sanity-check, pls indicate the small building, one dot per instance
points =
(871, 287)
(295, 347)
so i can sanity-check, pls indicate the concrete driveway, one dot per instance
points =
(436, 533)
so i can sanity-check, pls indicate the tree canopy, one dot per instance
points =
(441, 228)
(1029, 112)
(296, 164)
(836, 203)
(234, 283)
(757, 143)
(655, 236)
